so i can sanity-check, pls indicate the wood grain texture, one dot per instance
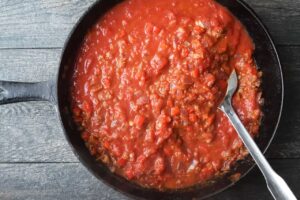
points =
(287, 140)
(253, 186)
(35, 160)
(52, 181)
(46, 23)
(281, 17)
(31, 132)
(43, 23)
(29, 64)
(62, 181)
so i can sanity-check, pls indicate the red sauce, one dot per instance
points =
(147, 83)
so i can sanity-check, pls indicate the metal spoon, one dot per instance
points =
(277, 186)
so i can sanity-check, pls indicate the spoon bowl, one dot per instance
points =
(277, 186)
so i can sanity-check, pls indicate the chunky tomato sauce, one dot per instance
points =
(147, 83)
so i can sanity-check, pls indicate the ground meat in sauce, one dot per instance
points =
(147, 83)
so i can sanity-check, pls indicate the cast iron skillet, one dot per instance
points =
(58, 92)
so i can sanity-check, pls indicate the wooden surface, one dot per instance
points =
(36, 161)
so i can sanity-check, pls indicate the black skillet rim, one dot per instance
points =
(75, 151)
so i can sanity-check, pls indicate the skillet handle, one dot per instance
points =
(11, 92)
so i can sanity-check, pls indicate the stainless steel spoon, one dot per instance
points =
(277, 186)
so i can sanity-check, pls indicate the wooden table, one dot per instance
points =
(35, 159)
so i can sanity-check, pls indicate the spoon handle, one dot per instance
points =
(277, 186)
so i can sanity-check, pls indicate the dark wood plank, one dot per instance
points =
(282, 18)
(46, 23)
(43, 23)
(52, 181)
(253, 185)
(29, 64)
(31, 132)
(72, 181)
(287, 140)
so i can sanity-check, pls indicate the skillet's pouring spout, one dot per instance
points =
(277, 186)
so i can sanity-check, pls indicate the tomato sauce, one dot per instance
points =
(146, 88)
